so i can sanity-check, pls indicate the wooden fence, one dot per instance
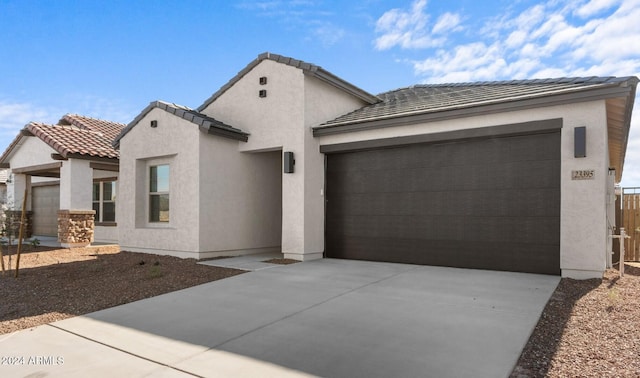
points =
(631, 222)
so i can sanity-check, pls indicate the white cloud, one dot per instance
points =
(595, 6)
(328, 34)
(542, 39)
(447, 22)
(14, 116)
(109, 109)
(309, 16)
(409, 29)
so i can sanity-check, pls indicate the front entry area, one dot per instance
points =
(484, 203)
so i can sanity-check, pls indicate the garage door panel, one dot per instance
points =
(491, 204)
(521, 148)
(517, 257)
(376, 204)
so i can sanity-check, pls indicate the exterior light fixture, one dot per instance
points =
(580, 142)
(289, 162)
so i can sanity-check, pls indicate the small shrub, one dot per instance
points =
(155, 272)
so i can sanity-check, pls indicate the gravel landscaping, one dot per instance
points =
(55, 284)
(589, 328)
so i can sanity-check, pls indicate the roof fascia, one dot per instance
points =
(92, 158)
(627, 125)
(462, 112)
(105, 167)
(343, 85)
(34, 169)
(203, 124)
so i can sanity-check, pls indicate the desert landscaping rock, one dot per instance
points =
(589, 328)
(55, 284)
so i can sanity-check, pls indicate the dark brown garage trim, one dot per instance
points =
(524, 128)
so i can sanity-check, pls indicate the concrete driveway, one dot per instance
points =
(332, 318)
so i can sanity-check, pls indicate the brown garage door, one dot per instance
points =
(487, 203)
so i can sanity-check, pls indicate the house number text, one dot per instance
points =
(587, 174)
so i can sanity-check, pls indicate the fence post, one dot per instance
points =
(623, 235)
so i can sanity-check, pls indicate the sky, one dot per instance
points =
(109, 59)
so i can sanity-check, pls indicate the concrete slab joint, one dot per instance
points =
(76, 228)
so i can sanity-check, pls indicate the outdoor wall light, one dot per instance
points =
(289, 162)
(580, 142)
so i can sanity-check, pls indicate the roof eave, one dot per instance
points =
(463, 111)
(631, 95)
(343, 85)
(204, 123)
(101, 159)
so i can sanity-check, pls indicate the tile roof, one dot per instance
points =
(74, 134)
(307, 68)
(107, 128)
(71, 141)
(435, 98)
(205, 123)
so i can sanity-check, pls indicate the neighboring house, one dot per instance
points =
(70, 171)
(516, 175)
(4, 174)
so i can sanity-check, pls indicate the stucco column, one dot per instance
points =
(76, 215)
(15, 191)
(303, 206)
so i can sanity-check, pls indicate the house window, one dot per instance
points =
(104, 201)
(159, 193)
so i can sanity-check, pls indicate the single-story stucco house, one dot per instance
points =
(70, 171)
(510, 175)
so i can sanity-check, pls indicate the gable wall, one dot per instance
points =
(31, 151)
(583, 241)
(174, 141)
(281, 121)
(273, 121)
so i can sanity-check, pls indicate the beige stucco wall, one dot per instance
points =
(31, 151)
(76, 185)
(174, 141)
(241, 199)
(282, 121)
(583, 239)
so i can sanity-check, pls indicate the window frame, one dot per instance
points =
(99, 216)
(150, 194)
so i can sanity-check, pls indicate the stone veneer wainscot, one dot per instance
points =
(75, 227)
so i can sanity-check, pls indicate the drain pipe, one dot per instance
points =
(623, 235)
